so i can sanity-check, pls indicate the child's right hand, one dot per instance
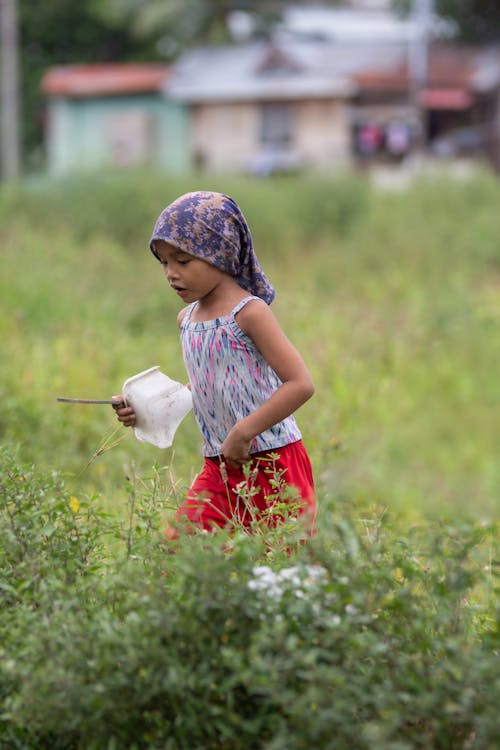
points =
(124, 413)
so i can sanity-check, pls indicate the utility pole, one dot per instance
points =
(422, 13)
(9, 91)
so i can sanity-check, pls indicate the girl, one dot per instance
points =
(245, 376)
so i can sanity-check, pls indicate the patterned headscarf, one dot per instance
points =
(212, 227)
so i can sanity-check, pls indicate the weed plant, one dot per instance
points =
(362, 637)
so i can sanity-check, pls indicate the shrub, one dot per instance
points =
(356, 639)
(46, 532)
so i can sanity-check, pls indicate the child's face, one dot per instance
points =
(191, 278)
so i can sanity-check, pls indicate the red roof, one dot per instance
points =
(387, 80)
(448, 68)
(103, 79)
(445, 99)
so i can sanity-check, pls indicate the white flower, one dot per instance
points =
(296, 578)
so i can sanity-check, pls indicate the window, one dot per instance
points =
(276, 124)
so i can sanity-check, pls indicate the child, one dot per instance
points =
(245, 376)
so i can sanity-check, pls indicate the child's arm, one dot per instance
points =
(258, 322)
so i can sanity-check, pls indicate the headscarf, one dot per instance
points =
(212, 227)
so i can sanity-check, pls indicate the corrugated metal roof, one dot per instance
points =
(449, 67)
(102, 79)
(288, 69)
(297, 69)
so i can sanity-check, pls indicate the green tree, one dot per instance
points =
(175, 24)
(61, 32)
(477, 21)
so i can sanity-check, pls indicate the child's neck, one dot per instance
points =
(219, 302)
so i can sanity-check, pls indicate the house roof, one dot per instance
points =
(459, 71)
(306, 68)
(288, 69)
(103, 79)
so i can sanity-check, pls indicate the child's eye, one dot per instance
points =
(179, 261)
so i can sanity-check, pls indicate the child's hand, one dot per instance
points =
(125, 414)
(236, 447)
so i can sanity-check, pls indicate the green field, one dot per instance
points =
(382, 632)
(393, 299)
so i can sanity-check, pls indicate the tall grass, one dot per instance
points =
(393, 299)
(382, 632)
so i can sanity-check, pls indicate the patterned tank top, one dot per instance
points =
(229, 380)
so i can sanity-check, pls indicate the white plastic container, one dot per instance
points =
(160, 405)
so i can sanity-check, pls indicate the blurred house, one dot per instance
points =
(257, 105)
(458, 105)
(462, 102)
(329, 90)
(279, 105)
(111, 115)
(307, 102)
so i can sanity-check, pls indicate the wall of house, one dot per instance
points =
(90, 133)
(227, 136)
(224, 135)
(323, 133)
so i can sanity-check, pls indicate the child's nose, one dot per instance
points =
(170, 272)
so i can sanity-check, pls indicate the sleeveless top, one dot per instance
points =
(229, 380)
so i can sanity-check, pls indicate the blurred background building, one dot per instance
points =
(306, 87)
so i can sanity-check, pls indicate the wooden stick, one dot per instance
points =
(86, 401)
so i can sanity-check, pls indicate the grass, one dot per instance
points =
(365, 637)
(382, 631)
(393, 299)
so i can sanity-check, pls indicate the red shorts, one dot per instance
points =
(224, 495)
